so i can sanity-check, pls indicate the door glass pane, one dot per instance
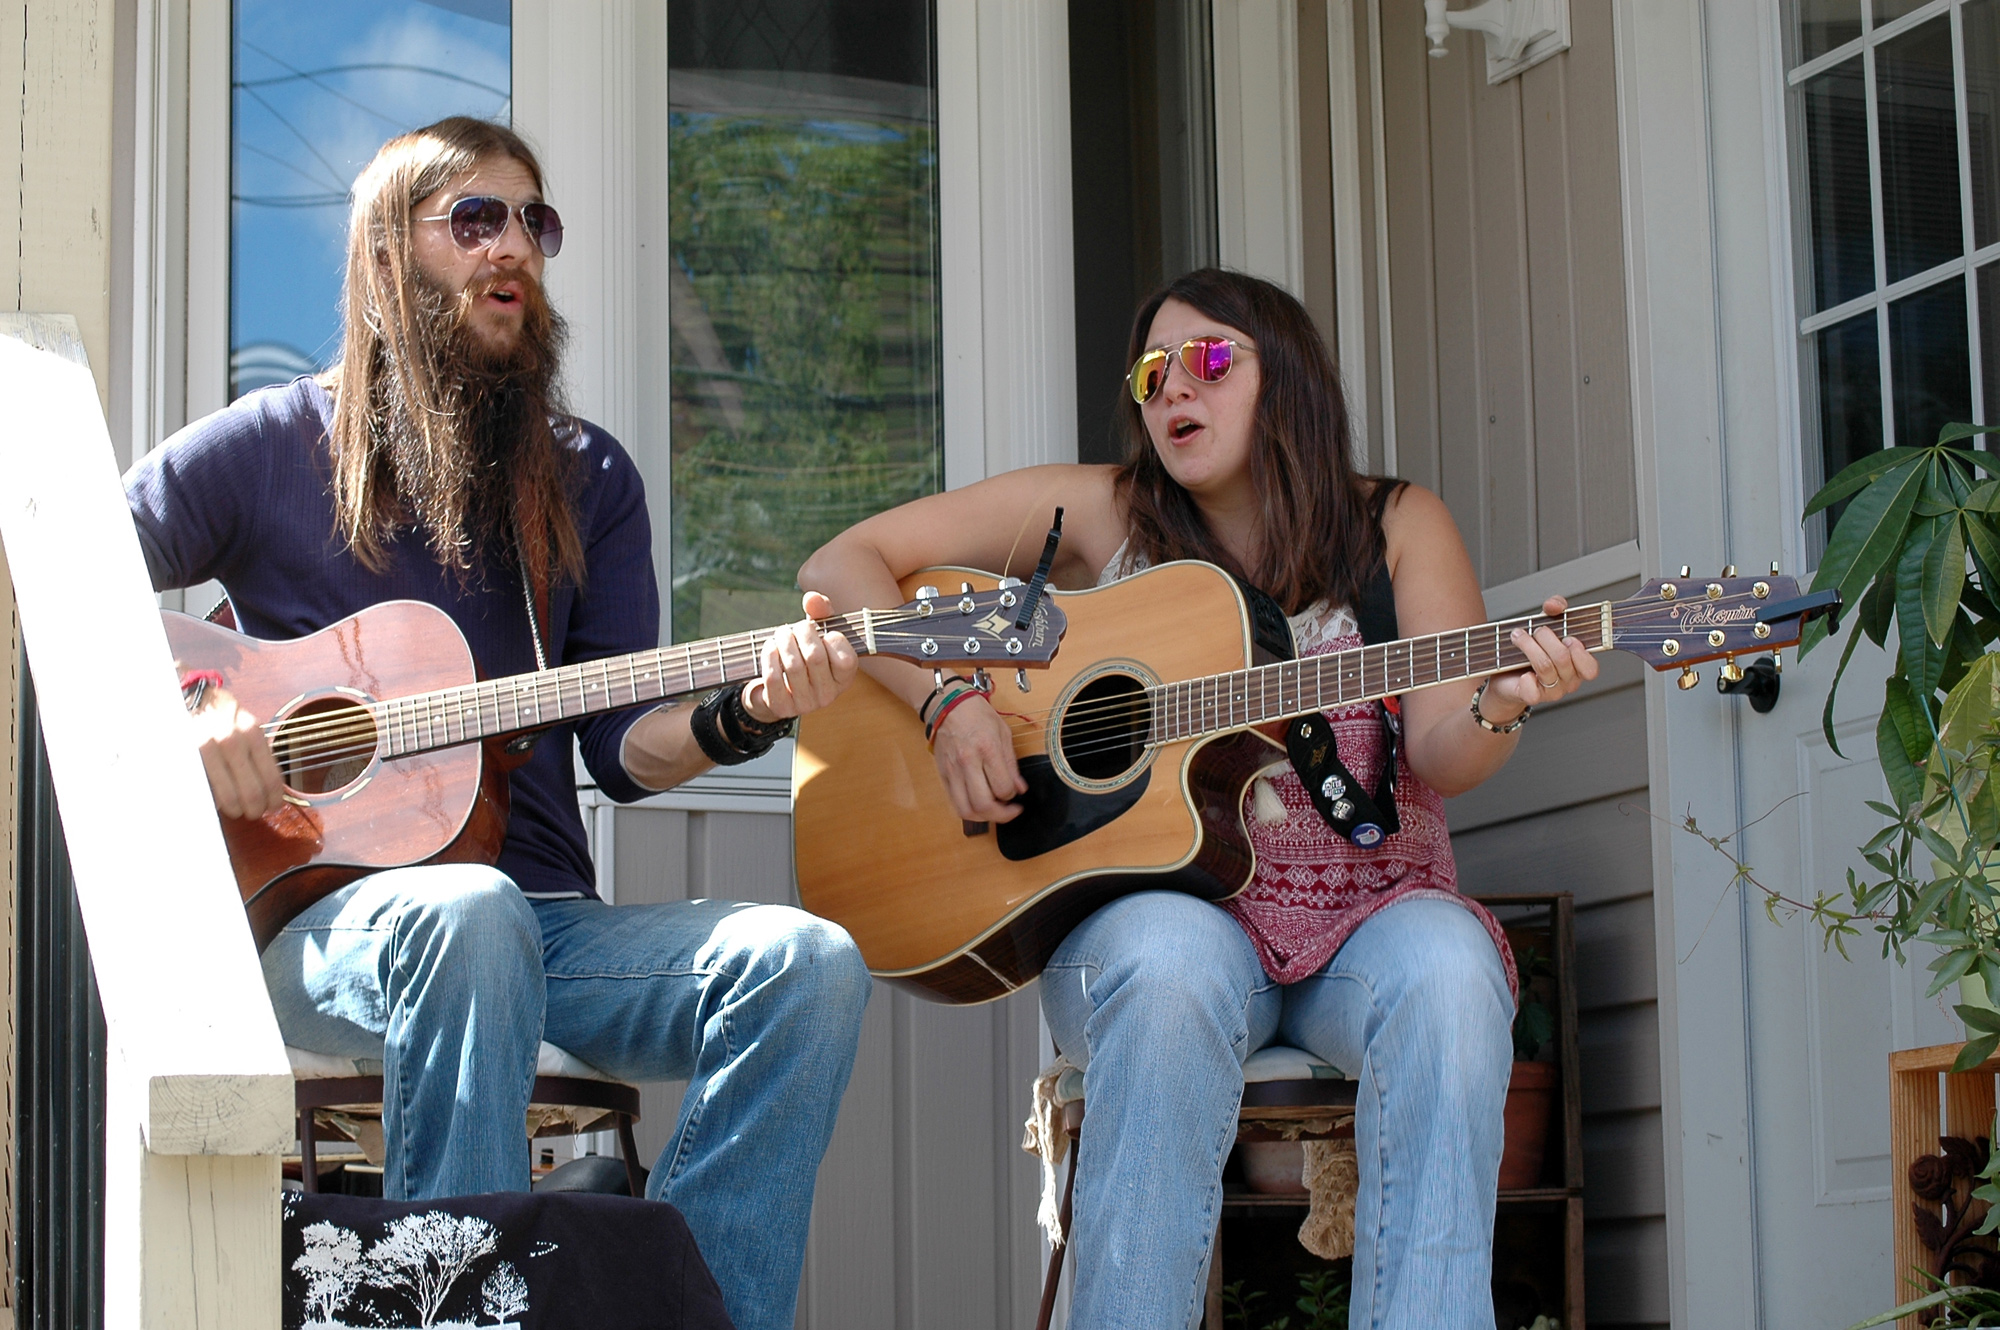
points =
(1850, 395)
(1930, 370)
(315, 90)
(1918, 113)
(804, 301)
(1142, 182)
(1836, 147)
(1989, 341)
(1982, 116)
(1821, 25)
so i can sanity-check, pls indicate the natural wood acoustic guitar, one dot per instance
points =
(395, 752)
(1137, 747)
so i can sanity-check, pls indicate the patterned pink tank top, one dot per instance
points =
(1312, 887)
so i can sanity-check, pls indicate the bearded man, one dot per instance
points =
(435, 463)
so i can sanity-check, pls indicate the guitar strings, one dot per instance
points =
(329, 739)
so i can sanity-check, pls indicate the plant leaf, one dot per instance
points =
(1952, 434)
(1857, 474)
(1975, 1052)
(1922, 660)
(1901, 743)
(1870, 534)
(1876, 608)
(1944, 578)
(1979, 1018)
(1826, 712)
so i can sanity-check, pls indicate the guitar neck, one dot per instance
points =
(1266, 693)
(522, 702)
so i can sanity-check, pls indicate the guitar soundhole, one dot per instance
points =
(325, 744)
(1104, 728)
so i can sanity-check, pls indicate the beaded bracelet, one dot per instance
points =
(1488, 725)
(945, 709)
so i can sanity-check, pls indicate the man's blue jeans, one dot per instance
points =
(1162, 997)
(454, 978)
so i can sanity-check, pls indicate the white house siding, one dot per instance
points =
(1508, 392)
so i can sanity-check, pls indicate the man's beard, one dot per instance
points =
(489, 477)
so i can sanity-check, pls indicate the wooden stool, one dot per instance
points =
(1920, 1110)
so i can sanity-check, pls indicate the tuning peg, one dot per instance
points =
(1686, 571)
(982, 680)
(1689, 678)
(937, 677)
(1006, 583)
(1774, 567)
(1729, 570)
(1731, 671)
(1021, 681)
(927, 593)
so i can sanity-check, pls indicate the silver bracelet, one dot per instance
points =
(1488, 725)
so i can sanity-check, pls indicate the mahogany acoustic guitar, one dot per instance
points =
(1137, 748)
(394, 752)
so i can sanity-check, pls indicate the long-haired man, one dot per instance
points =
(435, 462)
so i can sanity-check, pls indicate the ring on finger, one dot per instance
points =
(1548, 687)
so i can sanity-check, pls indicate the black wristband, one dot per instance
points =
(728, 734)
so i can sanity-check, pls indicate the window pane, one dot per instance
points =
(1930, 369)
(804, 226)
(1888, 11)
(1836, 146)
(1989, 340)
(1982, 116)
(1918, 112)
(315, 90)
(1850, 394)
(1821, 25)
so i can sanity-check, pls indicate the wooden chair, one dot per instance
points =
(334, 1094)
(1288, 1094)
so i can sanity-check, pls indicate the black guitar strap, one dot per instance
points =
(1357, 815)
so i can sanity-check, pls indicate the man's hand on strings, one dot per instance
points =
(242, 771)
(804, 668)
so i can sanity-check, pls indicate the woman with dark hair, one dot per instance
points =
(1239, 455)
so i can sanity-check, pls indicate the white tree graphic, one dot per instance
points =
(425, 1254)
(333, 1269)
(504, 1294)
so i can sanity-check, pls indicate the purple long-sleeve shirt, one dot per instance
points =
(244, 497)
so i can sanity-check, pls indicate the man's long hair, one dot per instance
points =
(430, 428)
(1320, 536)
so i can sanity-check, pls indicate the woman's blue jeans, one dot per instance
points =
(453, 978)
(1161, 996)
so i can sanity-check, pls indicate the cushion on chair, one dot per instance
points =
(549, 1061)
(1281, 1062)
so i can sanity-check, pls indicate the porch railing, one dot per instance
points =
(198, 1095)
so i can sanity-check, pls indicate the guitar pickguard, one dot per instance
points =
(1053, 814)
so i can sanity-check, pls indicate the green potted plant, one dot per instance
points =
(1911, 522)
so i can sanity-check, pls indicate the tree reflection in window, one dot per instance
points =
(804, 289)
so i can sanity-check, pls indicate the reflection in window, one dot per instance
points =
(1982, 116)
(804, 289)
(1929, 363)
(1849, 371)
(1988, 287)
(1821, 25)
(315, 90)
(1836, 149)
(1918, 114)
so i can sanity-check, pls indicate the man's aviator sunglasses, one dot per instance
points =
(1205, 358)
(478, 219)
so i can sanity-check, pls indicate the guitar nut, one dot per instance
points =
(971, 646)
(1761, 590)
(1667, 591)
(1715, 591)
(1715, 638)
(1762, 630)
(930, 647)
(965, 606)
(1014, 644)
(1007, 601)
(1670, 647)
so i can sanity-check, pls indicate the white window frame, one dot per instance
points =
(1884, 293)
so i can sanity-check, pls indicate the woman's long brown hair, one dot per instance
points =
(389, 353)
(1320, 535)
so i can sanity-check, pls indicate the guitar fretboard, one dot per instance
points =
(1266, 693)
(466, 714)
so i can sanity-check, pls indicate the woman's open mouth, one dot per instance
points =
(1182, 429)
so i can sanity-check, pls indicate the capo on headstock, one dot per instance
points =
(1033, 596)
(1805, 608)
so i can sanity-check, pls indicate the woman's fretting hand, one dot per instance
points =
(1557, 667)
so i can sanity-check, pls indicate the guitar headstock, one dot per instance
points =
(964, 628)
(1675, 622)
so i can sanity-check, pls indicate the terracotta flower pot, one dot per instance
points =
(1531, 1101)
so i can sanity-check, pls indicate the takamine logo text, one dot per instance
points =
(1705, 615)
